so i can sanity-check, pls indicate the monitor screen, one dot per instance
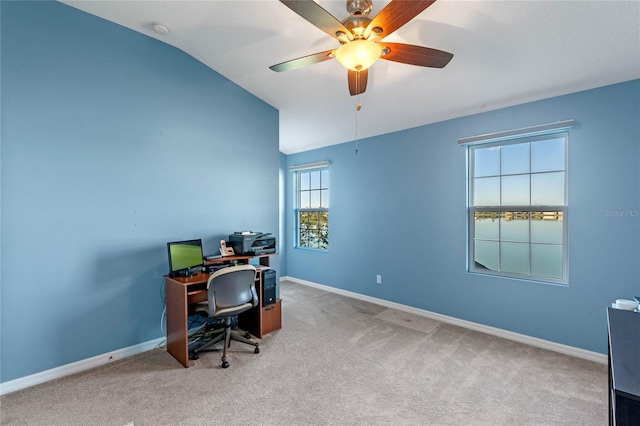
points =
(184, 255)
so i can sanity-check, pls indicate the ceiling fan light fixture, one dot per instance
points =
(358, 55)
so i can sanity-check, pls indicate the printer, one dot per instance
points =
(252, 243)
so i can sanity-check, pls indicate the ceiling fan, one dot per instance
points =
(361, 38)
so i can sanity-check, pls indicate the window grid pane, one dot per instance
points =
(515, 190)
(303, 181)
(547, 189)
(486, 191)
(314, 180)
(487, 162)
(515, 159)
(547, 155)
(514, 258)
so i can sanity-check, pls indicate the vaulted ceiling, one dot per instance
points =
(505, 53)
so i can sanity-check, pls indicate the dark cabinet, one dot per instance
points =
(624, 367)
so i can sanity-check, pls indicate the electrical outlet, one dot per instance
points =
(379, 279)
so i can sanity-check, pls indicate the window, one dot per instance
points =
(312, 208)
(517, 208)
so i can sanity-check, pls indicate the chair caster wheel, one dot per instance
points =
(193, 356)
(225, 364)
(256, 350)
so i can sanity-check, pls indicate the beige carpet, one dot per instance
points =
(336, 361)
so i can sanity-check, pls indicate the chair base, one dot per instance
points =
(227, 335)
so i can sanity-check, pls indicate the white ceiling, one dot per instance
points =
(505, 53)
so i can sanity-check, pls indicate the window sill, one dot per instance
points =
(311, 249)
(521, 279)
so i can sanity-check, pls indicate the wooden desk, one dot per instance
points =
(185, 291)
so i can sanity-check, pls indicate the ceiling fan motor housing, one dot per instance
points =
(356, 24)
(359, 7)
(359, 17)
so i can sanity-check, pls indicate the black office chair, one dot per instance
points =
(231, 291)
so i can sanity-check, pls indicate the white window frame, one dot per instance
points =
(298, 211)
(529, 135)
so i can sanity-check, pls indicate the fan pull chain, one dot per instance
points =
(358, 107)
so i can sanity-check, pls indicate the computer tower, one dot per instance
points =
(268, 287)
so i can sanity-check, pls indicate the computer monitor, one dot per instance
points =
(185, 257)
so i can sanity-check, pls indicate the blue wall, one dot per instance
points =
(113, 144)
(398, 210)
(282, 238)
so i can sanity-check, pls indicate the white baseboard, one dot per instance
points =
(522, 338)
(78, 366)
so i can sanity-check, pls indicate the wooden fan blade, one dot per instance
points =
(357, 81)
(316, 15)
(396, 14)
(416, 55)
(303, 61)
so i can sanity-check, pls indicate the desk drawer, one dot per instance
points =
(197, 296)
(272, 317)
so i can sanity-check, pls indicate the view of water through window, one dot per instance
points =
(530, 242)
